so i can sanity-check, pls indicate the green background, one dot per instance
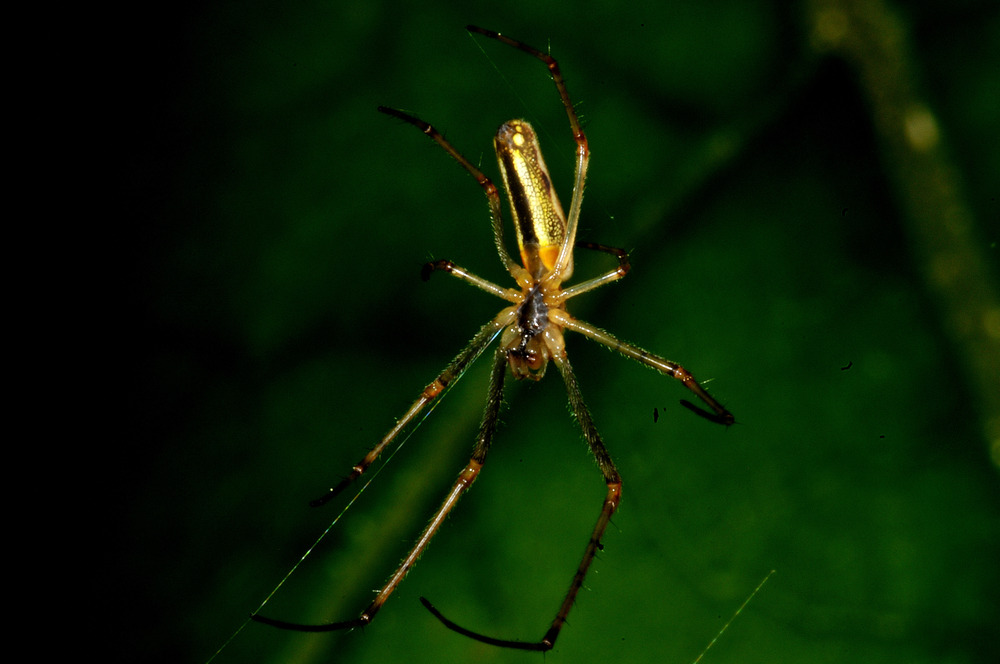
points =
(282, 223)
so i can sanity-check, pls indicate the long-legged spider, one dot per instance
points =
(530, 331)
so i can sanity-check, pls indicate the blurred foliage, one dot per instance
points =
(742, 160)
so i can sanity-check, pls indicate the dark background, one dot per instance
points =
(279, 226)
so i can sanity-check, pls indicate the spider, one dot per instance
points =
(531, 335)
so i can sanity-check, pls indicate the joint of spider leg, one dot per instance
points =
(429, 268)
(434, 389)
(624, 265)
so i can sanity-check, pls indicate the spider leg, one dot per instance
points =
(718, 413)
(487, 429)
(550, 62)
(492, 195)
(564, 260)
(611, 502)
(446, 266)
(614, 275)
(451, 373)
